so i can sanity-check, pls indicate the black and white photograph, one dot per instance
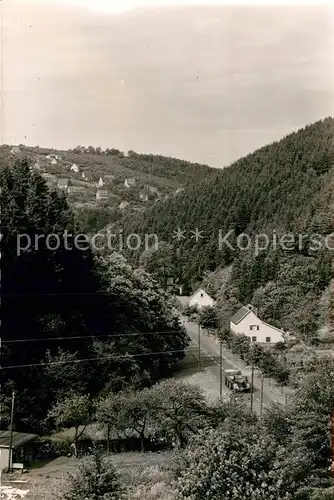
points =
(166, 250)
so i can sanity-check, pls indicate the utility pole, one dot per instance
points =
(11, 433)
(252, 386)
(261, 397)
(252, 380)
(199, 346)
(220, 366)
(332, 445)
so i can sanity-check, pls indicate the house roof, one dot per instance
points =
(19, 438)
(274, 327)
(240, 315)
(123, 204)
(202, 291)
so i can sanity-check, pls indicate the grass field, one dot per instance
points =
(144, 473)
(47, 482)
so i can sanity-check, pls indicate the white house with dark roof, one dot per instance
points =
(130, 182)
(245, 321)
(75, 168)
(201, 299)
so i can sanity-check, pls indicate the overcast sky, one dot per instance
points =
(208, 84)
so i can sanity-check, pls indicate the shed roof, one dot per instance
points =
(240, 315)
(19, 438)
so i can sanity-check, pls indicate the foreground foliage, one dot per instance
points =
(233, 464)
(97, 479)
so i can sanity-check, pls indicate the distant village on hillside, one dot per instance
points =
(96, 179)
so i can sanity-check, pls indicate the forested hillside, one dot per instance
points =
(69, 320)
(285, 187)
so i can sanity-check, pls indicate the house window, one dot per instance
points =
(253, 339)
(201, 294)
(268, 339)
(254, 327)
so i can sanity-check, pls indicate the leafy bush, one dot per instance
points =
(265, 360)
(97, 479)
(49, 449)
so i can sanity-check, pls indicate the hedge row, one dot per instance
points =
(263, 359)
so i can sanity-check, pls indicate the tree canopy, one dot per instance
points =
(70, 318)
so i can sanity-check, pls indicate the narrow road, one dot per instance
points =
(209, 352)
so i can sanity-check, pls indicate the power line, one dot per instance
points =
(57, 294)
(33, 365)
(16, 341)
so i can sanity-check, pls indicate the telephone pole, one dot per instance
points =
(261, 398)
(220, 367)
(332, 445)
(11, 433)
(252, 378)
(199, 346)
(252, 387)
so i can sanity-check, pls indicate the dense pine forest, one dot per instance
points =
(283, 188)
(71, 320)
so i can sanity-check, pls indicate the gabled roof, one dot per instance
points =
(19, 438)
(202, 291)
(240, 315)
(274, 327)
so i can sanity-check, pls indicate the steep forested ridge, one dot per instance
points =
(286, 187)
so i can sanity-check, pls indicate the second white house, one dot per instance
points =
(245, 321)
(201, 299)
